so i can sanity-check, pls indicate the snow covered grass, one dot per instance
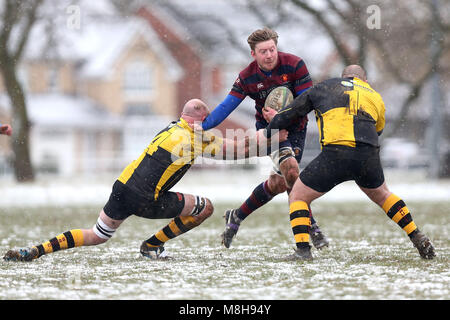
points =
(369, 257)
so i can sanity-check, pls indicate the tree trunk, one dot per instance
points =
(23, 169)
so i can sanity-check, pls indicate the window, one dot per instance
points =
(138, 110)
(138, 79)
(53, 79)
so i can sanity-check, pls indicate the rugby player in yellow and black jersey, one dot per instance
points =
(142, 189)
(350, 116)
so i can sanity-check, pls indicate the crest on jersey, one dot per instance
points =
(259, 86)
(347, 83)
(284, 77)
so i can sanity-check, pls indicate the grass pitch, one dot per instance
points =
(369, 257)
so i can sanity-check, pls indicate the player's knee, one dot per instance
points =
(277, 187)
(203, 209)
(291, 176)
(209, 209)
(378, 195)
(101, 232)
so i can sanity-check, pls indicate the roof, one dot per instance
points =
(98, 42)
(58, 110)
(213, 23)
(102, 43)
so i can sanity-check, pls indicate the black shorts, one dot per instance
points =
(296, 139)
(124, 202)
(336, 164)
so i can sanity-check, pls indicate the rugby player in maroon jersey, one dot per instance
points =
(269, 69)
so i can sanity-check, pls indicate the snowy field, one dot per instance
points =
(369, 256)
(220, 185)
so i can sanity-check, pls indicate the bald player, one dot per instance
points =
(350, 117)
(143, 187)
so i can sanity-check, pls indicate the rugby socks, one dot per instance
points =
(259, 197)
(300, 217)
(397, 210)
(70, 239)
(177, 226)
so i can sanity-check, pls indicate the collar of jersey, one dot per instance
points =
(184, 124)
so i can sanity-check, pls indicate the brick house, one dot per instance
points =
(96, 106)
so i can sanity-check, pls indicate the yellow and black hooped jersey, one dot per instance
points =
(348, 112)
(167, 158)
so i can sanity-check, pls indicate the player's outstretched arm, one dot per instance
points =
(250, 146)
(221, 112)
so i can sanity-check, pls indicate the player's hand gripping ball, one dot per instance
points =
(278, 98)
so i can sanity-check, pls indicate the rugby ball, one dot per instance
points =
(278, 98)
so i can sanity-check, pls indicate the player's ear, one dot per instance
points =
(204, 116)
(252, 52)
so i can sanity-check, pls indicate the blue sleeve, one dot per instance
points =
(221, 112)
(301, 91)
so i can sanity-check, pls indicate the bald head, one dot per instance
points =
(354, 70)
(195, 110)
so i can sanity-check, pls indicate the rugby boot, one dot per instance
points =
(300, 254)
(154, 253)
(317, 237)
(423, 245)
(232, 224)
(26, 254)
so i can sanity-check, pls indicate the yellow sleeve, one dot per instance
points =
(381, 121)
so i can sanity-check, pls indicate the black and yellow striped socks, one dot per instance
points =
(397, 210)
(70, 239)
(300, 222)
(177, 226)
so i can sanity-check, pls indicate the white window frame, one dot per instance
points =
(138, 80)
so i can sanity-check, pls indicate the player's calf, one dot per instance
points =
(277, 184)
(197, 209)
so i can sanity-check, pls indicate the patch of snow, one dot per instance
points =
(219, 185)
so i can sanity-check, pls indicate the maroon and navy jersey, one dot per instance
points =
(290, 72)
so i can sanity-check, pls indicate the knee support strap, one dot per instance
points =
(102, 230)
(279, 156)
(199, 205)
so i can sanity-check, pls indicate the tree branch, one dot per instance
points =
(231, 36)
(30, 20)
(255, 9)
(10, 15)
(342, 50)
(414, 93)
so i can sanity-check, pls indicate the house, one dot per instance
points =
(110, 85)
(115, 83)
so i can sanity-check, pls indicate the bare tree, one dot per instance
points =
(18, 17)
(401, 44)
